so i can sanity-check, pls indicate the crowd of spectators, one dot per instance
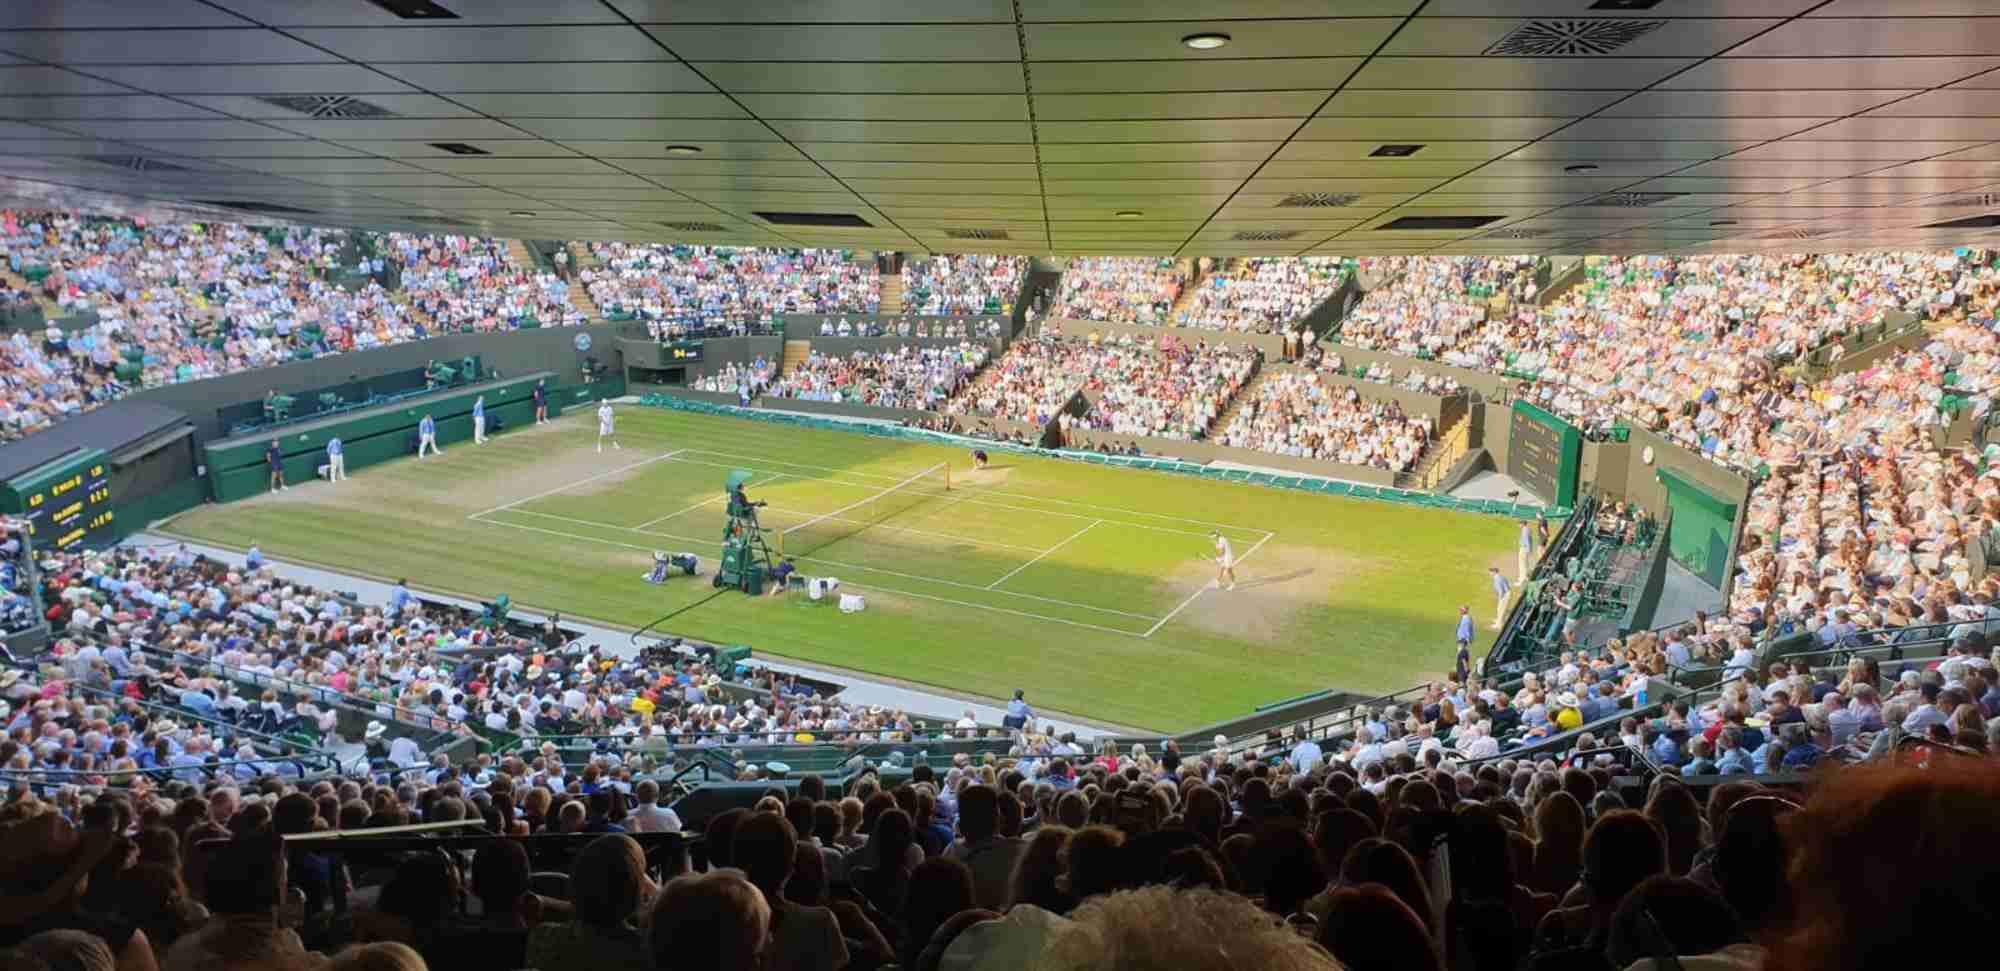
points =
(1297, 413)
(1407, 849)
(1120, 289)
(174, 302)
(654, 281)
(1166, 388)
(911, 376)
(1262, 294)
(971, 284)
(470, 283)
(745, 381)
(909, 326)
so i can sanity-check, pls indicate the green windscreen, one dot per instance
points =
(1702, 526)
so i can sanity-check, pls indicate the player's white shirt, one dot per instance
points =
(1223, 554)
(604, 419)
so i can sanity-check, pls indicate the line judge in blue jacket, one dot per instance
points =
(427, 437)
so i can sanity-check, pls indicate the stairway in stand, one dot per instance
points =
(1438, 457)
(518, 253)
(1244, 394)
(892, 293)
(1194, 275)
(795, 353)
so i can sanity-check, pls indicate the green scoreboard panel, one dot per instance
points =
(1543, 454)
(67, 502)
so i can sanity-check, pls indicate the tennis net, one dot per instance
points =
(823, 530)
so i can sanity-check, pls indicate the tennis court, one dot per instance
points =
(1086, 585)
(956, 536)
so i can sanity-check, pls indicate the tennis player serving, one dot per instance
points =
(1225, 563)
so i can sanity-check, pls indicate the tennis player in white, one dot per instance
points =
(604, 427)
(1225, 562)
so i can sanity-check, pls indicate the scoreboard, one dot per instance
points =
(679, 352)
(66, 503)
(1543, 453)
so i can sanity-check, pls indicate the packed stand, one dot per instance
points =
(1262, 294)
(654, 281)
(1165, 388)
(970, 284)
(1431, 304)
(1296, 413)
(470, 283)
(182, 302)
(1120, 289)
(908, 326)
(912, 377)
(745, 381)
(1412, 853)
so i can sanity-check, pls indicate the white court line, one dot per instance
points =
(1038, 557)
(1011, 495)
(572, 485)
(1204, 589)
(893, 590)
(698, 505)
(972, 502)
(862, 501)
(809, 559)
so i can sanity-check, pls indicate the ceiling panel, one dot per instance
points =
(1889, 108)
(1329, 37)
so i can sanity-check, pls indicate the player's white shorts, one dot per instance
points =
(1226, 562)
(604, 428)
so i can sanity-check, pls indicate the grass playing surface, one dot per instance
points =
(1087, 586)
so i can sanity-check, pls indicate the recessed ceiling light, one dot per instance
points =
(523, 213)
(1204, 41)
(683, 150)
(1128, 214)
(1396, 151)
(1722, 222)
(1580, 167)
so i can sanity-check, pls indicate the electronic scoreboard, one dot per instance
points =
(679, 352)
(67, 502)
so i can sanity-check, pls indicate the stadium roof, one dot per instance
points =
(1033, 126)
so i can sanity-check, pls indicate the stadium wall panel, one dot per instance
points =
(505, 352)
(236, 467)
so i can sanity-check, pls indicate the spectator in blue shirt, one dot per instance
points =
(400, 597)
(1018, 712)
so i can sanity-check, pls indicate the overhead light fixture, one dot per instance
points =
(683, 150)
(1396, 151)
(1128, 214)
(1580, 167)
(1722, 222)
(415, 9)
(1205, 41)
(523, 213)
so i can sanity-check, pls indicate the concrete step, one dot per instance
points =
(795, 353)
(892, 294)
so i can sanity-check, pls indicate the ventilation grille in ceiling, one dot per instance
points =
(821, 219)
(994, 234)
(268, 208)
(459, 148)
(328, 106)
(1263, 235)
(1440, 222)
(1318, 200)
(137, 163)
(1793, 234)
(1988, 221)
(434, 220)
(1515, 234)
(1571, 38)
(694, 227)
(1984, 201)
(1633, 200)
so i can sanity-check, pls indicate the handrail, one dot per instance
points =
(169, 770)
(178, 714)
(332, 696)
